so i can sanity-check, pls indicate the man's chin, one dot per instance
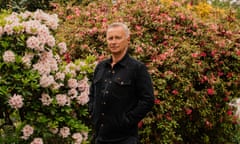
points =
(114, 51)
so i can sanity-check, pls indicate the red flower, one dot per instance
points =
(226, 99)
(229, 75)
(175, 92)
(104, 20)
(213, 53)
(140, 124)
(77, 11)
(229, 112)
(67, 57)
(69, 17)
(203, 54)
(157, 101)
(220, 73)
(188, 111)
(138, 27)
(238, 52)
(194, 55)
(208, 124)
(139, 49)
(168, 116)
(210, 91)
(235, 119)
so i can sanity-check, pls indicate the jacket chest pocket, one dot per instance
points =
(122, 88)
(122, 82)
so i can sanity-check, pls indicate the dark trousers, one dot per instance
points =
(130, 140)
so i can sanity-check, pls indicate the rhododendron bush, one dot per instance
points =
(193, 55)
(43, 95)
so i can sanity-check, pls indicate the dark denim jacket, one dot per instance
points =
(119, 98)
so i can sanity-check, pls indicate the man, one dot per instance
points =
(121, 93)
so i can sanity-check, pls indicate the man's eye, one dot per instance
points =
(118, 38)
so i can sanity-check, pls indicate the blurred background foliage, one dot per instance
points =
(22, 5)
(32, 5)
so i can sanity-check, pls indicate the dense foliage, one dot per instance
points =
(192, 52)
(43, 94)
(21, 5)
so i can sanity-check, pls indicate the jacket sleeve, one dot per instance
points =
(144, 93)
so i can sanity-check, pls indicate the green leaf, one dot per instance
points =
(42, 119)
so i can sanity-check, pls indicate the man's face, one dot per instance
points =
(117, 40)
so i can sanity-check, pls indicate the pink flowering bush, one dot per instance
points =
(193, 55)
(43, 94)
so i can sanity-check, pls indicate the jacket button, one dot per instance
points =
(101, 125)
(102, 114)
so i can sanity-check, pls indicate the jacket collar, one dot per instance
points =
(122, 62)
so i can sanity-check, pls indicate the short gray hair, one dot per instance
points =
(119, 24)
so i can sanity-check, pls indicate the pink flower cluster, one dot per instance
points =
(27, 58)
(63, 47)
(37, 141)
(34, 43)
(65, 132)
(77, 138)
(50, 20)
(27, 131)
(46, 64)
(33, 26)
(46, 80)
(60, 76)
(163, 56)
(62, 99)
(83, 98)
(46, 99)
(9, 56)
(71, 69)
(72, 83)
(16, 101)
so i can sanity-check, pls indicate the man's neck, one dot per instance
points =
(116, 58)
